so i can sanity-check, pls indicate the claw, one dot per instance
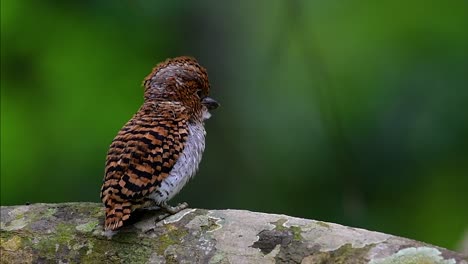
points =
(174, 209)
(161, 217)
(170, 210)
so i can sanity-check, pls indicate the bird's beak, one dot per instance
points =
(210, 103)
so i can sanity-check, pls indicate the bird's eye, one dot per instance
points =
(199, 93)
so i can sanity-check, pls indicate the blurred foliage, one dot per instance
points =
(352, 112)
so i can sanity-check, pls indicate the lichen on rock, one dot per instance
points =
(415, 255)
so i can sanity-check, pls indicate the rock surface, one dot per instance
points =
(73, 233)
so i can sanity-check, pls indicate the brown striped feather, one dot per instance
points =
(139, 158)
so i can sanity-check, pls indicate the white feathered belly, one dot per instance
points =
(185, 167)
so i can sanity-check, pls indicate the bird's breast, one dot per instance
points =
(186, 165)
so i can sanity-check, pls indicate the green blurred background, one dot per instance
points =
(352, 112)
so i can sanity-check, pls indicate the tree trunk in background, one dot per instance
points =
(73, 233)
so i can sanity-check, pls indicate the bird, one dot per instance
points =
(159, 149)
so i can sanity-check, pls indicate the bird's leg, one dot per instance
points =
(150, 205)
(161, 217)
(169, 210)
(173, 209)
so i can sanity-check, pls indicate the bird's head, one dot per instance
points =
(180, 80)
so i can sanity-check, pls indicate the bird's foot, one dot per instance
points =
(152, 208)
(169, 210)
(161, 217)
(174, 209)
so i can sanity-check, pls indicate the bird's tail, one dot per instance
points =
(116, 214)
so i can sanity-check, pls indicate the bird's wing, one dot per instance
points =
(141, 156)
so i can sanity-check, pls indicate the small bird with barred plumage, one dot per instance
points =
(159, 149)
